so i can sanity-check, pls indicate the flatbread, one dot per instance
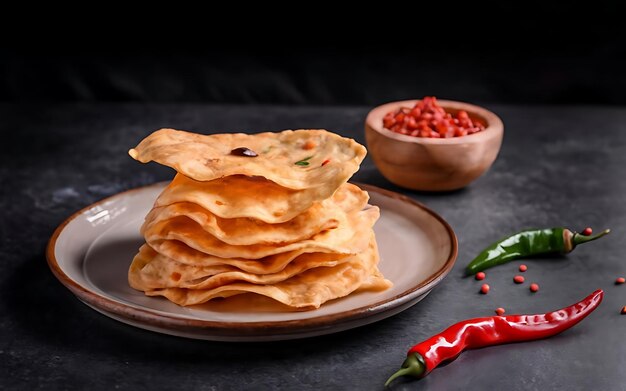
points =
(350, 237)
(268, 216)
(240, 196)
(307, 290)
(246, 231)
(332, 159)
(151, 270)
(271, 264)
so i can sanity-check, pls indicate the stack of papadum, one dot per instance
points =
(270, 214)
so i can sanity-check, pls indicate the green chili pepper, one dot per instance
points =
(529, 243)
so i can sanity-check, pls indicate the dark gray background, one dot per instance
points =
(531, 52)
(558, 166)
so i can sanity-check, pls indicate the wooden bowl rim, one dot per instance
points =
(494, 125)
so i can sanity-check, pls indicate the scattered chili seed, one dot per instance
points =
(484, 289)
(523, 268)
(500, 311)
(243, 151)
(176, 276)
(518, 279)
(309, 144)
(534, 287)
(620, 280)
(624, 310)
(325, 162)
(587, 231)
(480, 276)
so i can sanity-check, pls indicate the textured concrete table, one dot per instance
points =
(558, 166)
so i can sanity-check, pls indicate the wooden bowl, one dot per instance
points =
(433, 164)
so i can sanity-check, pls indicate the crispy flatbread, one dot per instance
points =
(307, 290)
(330, 159)
(184, 254)
(246, 231)
(266, 216)
(239, 196)
(151, 270)
(350, 237)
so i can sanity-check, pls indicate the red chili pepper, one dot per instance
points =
(495, 330)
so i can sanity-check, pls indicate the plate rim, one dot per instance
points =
(243, 329)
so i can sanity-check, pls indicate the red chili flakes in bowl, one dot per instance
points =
(428, 119)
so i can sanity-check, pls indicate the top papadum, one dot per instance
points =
(209, 157)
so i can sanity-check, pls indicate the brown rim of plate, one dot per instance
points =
(153, 318)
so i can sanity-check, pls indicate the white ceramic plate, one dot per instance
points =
(91, 251)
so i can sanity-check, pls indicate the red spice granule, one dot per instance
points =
(523, 268)
(428, 119)
(534, 287)
(484, 289)
(500, 311)
(480, 276)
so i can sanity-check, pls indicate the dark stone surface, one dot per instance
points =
(558, 166)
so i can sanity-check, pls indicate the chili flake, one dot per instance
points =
(428, 119)
(484, 289)
(500, 311)
(620, 280)
(325, 162)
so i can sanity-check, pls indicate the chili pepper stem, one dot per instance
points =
(413, 366)
(579, 239)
